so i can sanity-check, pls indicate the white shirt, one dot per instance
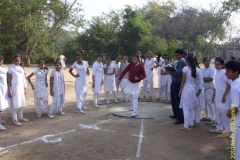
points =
(149, 64)
(235, 98)
(208, 73)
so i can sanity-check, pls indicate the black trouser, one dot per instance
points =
(175, 99)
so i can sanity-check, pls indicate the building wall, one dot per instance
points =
(228, 51)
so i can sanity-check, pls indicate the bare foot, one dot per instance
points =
(185, 129)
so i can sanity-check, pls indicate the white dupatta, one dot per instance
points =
(56, 89)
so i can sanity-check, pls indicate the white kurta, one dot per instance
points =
(212, 63)
(40, 83)
(109, 80)
(148, 65)
(166, 80)
(199, 85)
(61, 57)
(81, 82)
(4, 99)
(208, 86)
(97, 71)
(235, 97)
(117, 67)
(221, 80)
(123, 82)
(188, 96)
(18, 84)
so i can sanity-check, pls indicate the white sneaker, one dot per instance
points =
(39, 115)
(15, 122)
(126, 100)
(61, 113)
(2, 121)
(108, 102)
(81, 111)
(116, 101)
(2, 128)
(96, 106)
(23, 120)
(85, 108)
(51, 116)
(134, 114)
(131, 109)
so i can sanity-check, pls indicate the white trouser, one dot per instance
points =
(41, 104)
(197, 113)
(117, 86)
(145, 87)
(223, 120)
(237, 143)
(95, 99)
(125, 95)
(17, 113)
(54, 106)
(134, 101)
(81, 98)
(114, 96)
(188, 117)
(167, 96)
(209, 105)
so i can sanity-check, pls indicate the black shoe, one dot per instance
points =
(172, 116)
(178, 122)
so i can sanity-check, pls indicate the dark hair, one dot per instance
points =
(99, 55)
(1, 57)
(233, 58)
(166, 57)
(57, 62)
(118, 56)
(205, 58)
(107, 57)
(220, 60)
(137, 57)
(196, 62)
(159, 55)
(17, 56)
(192, 64)
(78, 54)
(233, 66)
(180, 51)
(41, 61)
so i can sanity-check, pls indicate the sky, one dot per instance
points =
(96, 7)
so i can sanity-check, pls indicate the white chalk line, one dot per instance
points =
(140, 140)
(45, 138)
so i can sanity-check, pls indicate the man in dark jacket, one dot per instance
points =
(175, 87)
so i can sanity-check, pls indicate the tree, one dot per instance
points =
(28, 24)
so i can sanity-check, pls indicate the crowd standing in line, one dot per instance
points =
(188, 88)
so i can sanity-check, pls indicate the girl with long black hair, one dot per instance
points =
(188, 92)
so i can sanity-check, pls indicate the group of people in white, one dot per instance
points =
(187, 87)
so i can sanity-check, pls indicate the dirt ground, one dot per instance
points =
(98, 135)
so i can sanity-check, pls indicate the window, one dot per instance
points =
(237, 54)
(217, 54)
